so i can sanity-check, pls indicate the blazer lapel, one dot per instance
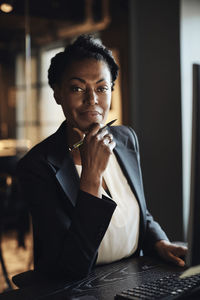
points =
(62, 163)
(127, 159)
(69, 179)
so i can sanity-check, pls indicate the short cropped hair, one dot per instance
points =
(85, 46)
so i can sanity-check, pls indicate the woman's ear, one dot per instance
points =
(57, 94)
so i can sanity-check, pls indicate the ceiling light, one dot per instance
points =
(6, 6)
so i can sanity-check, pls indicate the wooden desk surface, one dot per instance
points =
(103, 283)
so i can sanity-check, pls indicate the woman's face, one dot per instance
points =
(85, 93)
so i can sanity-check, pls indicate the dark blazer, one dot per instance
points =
(69, 224)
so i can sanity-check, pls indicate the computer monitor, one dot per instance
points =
(193, 257)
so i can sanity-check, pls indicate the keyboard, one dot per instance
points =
(167, 287)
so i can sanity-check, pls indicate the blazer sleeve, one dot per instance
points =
(66, 237)
(153, 231)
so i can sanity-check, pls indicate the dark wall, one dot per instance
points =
(155, 102)
(116, 37)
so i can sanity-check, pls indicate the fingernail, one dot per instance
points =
(181, 263)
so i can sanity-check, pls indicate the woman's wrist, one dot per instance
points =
(91, 184)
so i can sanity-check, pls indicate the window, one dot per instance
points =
(37, 114)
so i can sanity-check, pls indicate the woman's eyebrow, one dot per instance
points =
(77, 78)
(100, 80)
(83, 81)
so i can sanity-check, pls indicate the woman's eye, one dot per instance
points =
(76, 89)
(102, 89)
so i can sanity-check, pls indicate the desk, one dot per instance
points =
(103, 283)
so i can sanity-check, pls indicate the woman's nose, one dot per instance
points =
(91, 97)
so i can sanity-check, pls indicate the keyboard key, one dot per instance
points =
(167, 287)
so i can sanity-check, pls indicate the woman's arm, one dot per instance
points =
(66, 238)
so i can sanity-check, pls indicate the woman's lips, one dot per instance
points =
(90, 115)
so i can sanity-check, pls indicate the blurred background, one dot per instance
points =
(155, 44)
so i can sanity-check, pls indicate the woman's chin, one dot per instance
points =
(85, 126)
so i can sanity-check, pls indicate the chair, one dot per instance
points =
(13, 213)
(27, 278)
(5, 192)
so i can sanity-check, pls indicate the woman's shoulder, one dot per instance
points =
(123, 129)
(34, 156)
(39, 152)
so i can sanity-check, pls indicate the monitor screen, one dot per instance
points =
(193, 257)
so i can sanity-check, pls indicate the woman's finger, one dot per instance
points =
(173, 258)
(107, 139)
(94, 128)
(80, 133)
(180, 250)
(102, 134)
(112, 145)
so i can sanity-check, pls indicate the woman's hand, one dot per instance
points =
(171, 252)
(95, 152)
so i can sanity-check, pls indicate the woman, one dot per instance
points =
(87, 204)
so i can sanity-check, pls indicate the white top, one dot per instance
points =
(121, 237)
